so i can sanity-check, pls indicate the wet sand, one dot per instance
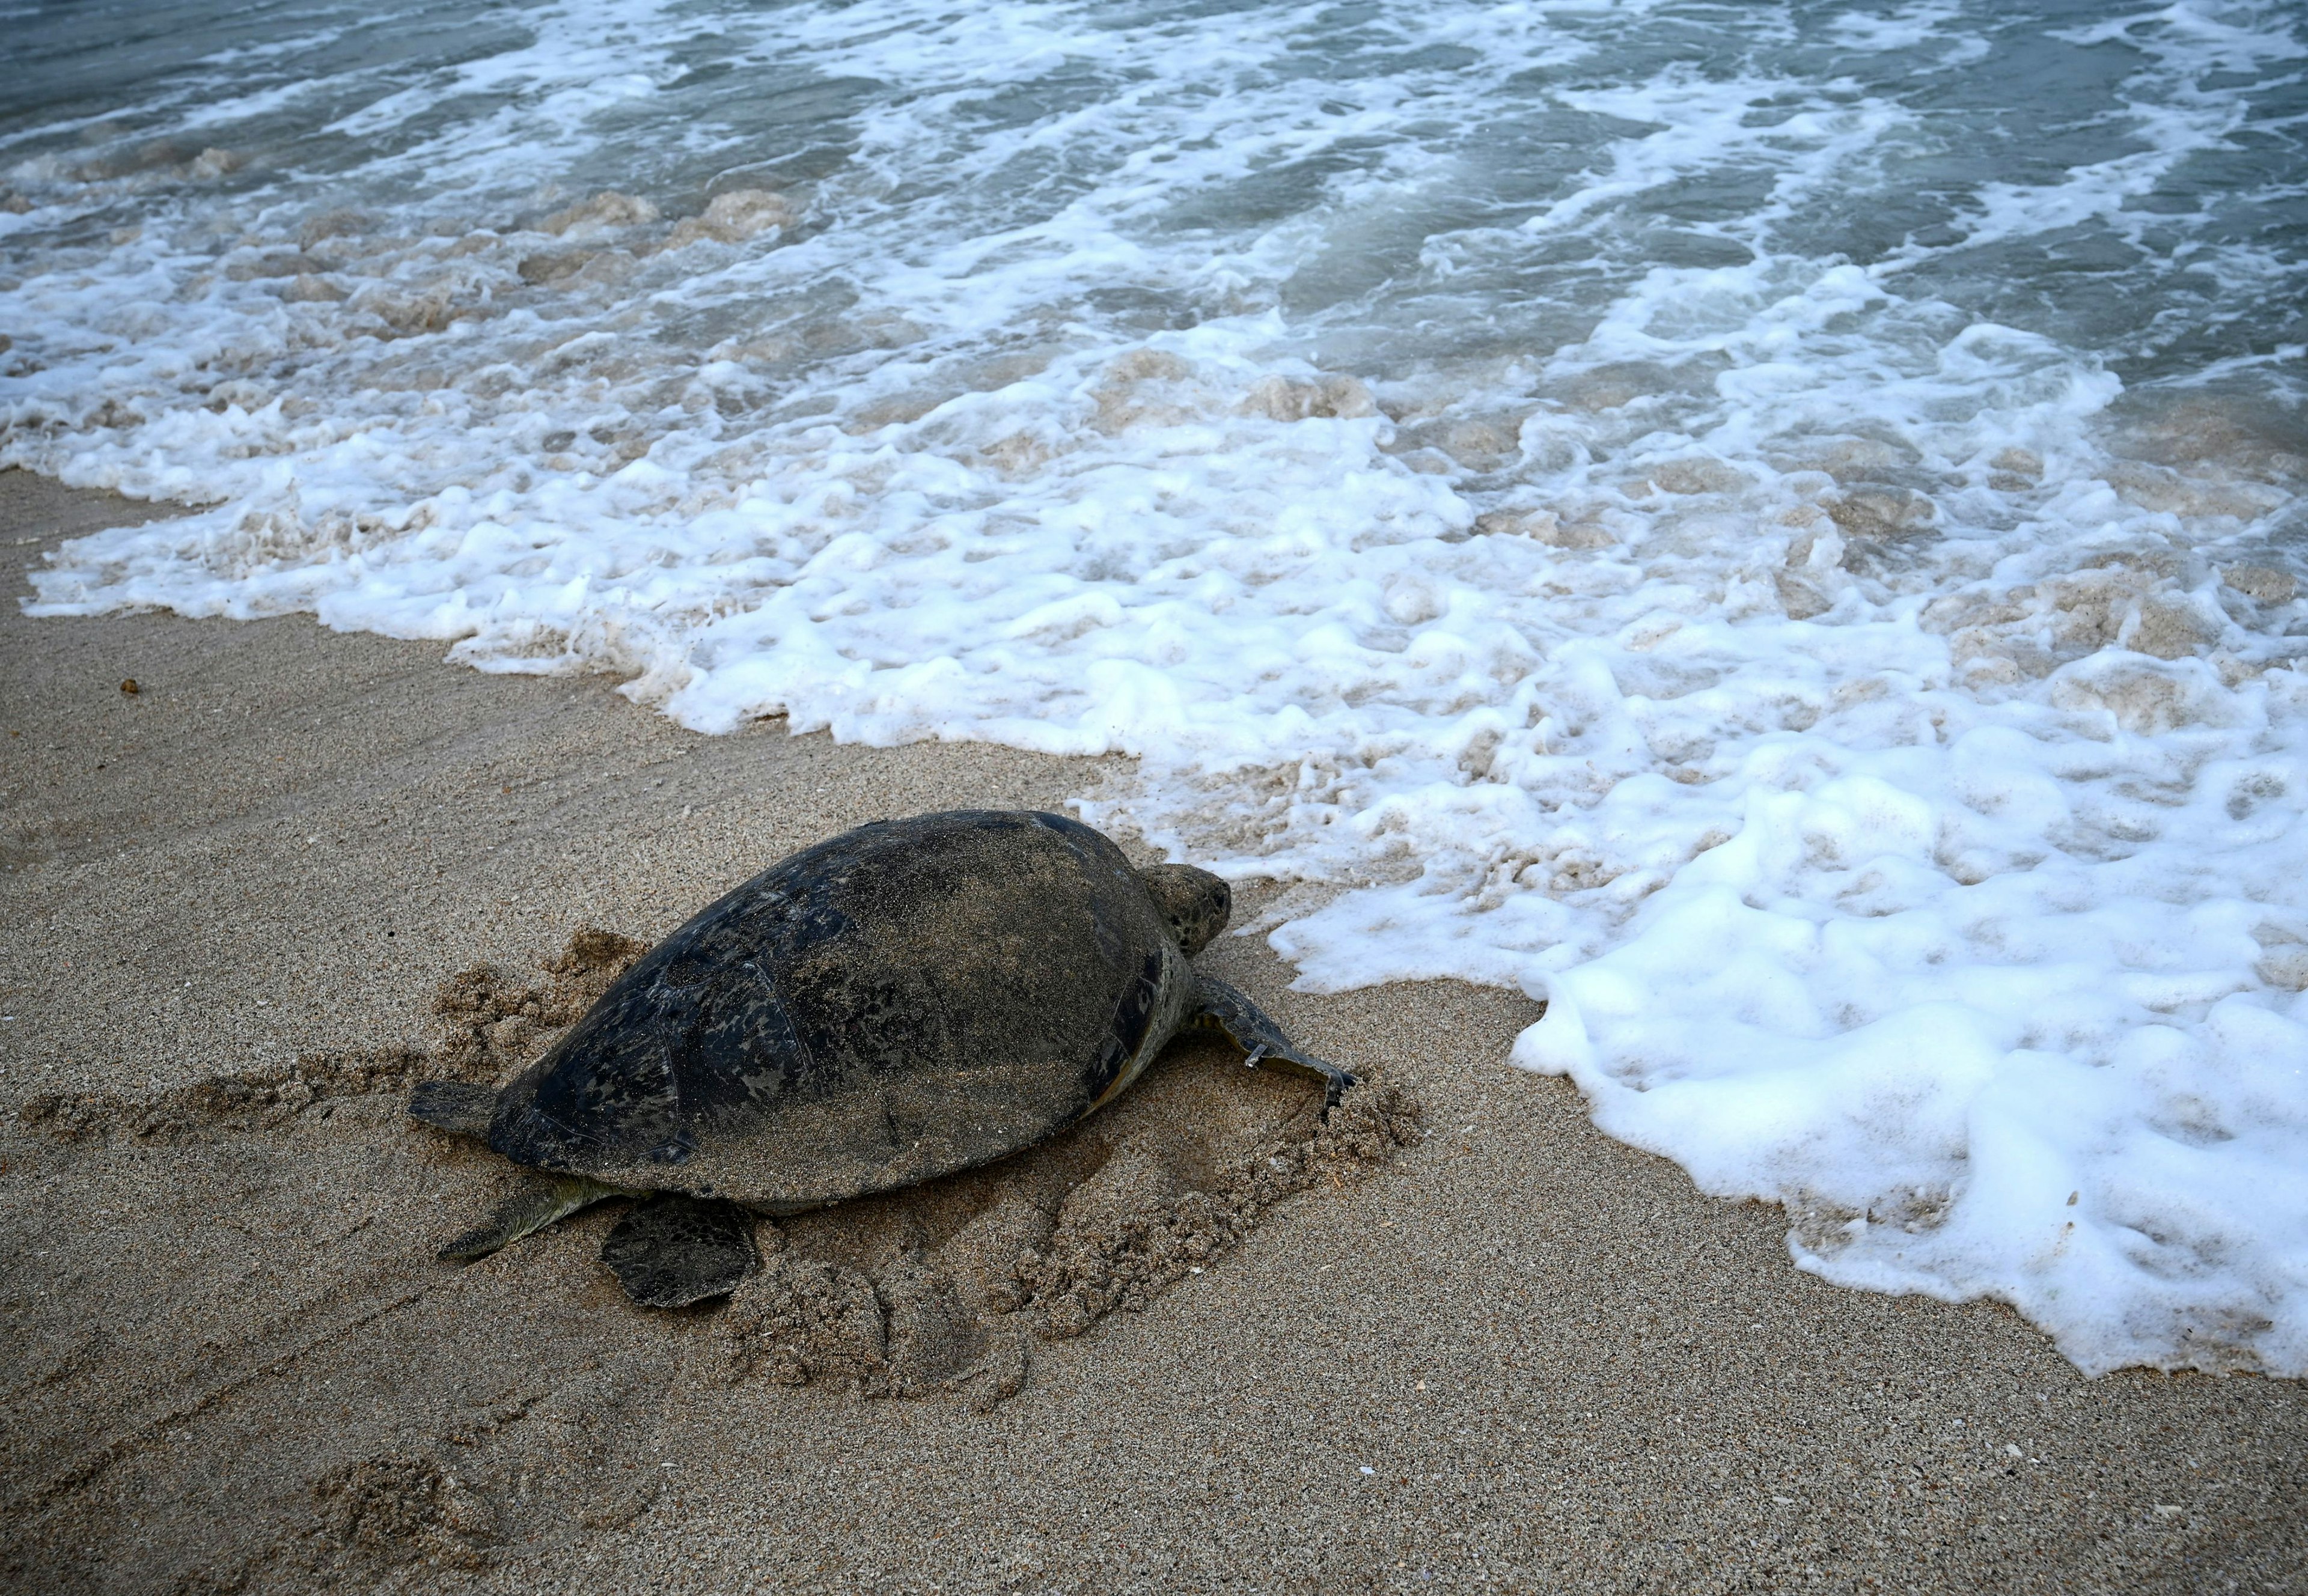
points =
(1519, 1355)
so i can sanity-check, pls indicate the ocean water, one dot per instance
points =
(1775, 528)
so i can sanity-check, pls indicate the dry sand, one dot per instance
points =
(1518, 1355)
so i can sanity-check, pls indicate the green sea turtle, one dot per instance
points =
(899, 1002)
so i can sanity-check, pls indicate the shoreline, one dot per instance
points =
(1520, 1356)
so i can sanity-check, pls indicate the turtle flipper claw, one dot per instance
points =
(1222, 1007)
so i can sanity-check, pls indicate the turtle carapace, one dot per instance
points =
(899, 1002)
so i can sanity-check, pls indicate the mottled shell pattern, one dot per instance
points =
(903, 1001)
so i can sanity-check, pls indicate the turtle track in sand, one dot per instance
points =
(249, 1329)
(485, 1019)
(1107, 1216)
(946, 1286)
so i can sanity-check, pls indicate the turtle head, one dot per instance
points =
(1195, 903)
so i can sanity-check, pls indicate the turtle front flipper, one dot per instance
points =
(1219, 1007)
(674, 1250)
(536, 1202)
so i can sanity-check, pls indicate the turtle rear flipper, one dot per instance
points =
(676, 1250)
(458, 1107)
(1219, 1007)
(535, 1203)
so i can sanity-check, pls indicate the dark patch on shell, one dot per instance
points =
(903, 1001)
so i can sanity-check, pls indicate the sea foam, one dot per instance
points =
(1755, 531)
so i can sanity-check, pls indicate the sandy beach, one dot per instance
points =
(1518, 1355)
